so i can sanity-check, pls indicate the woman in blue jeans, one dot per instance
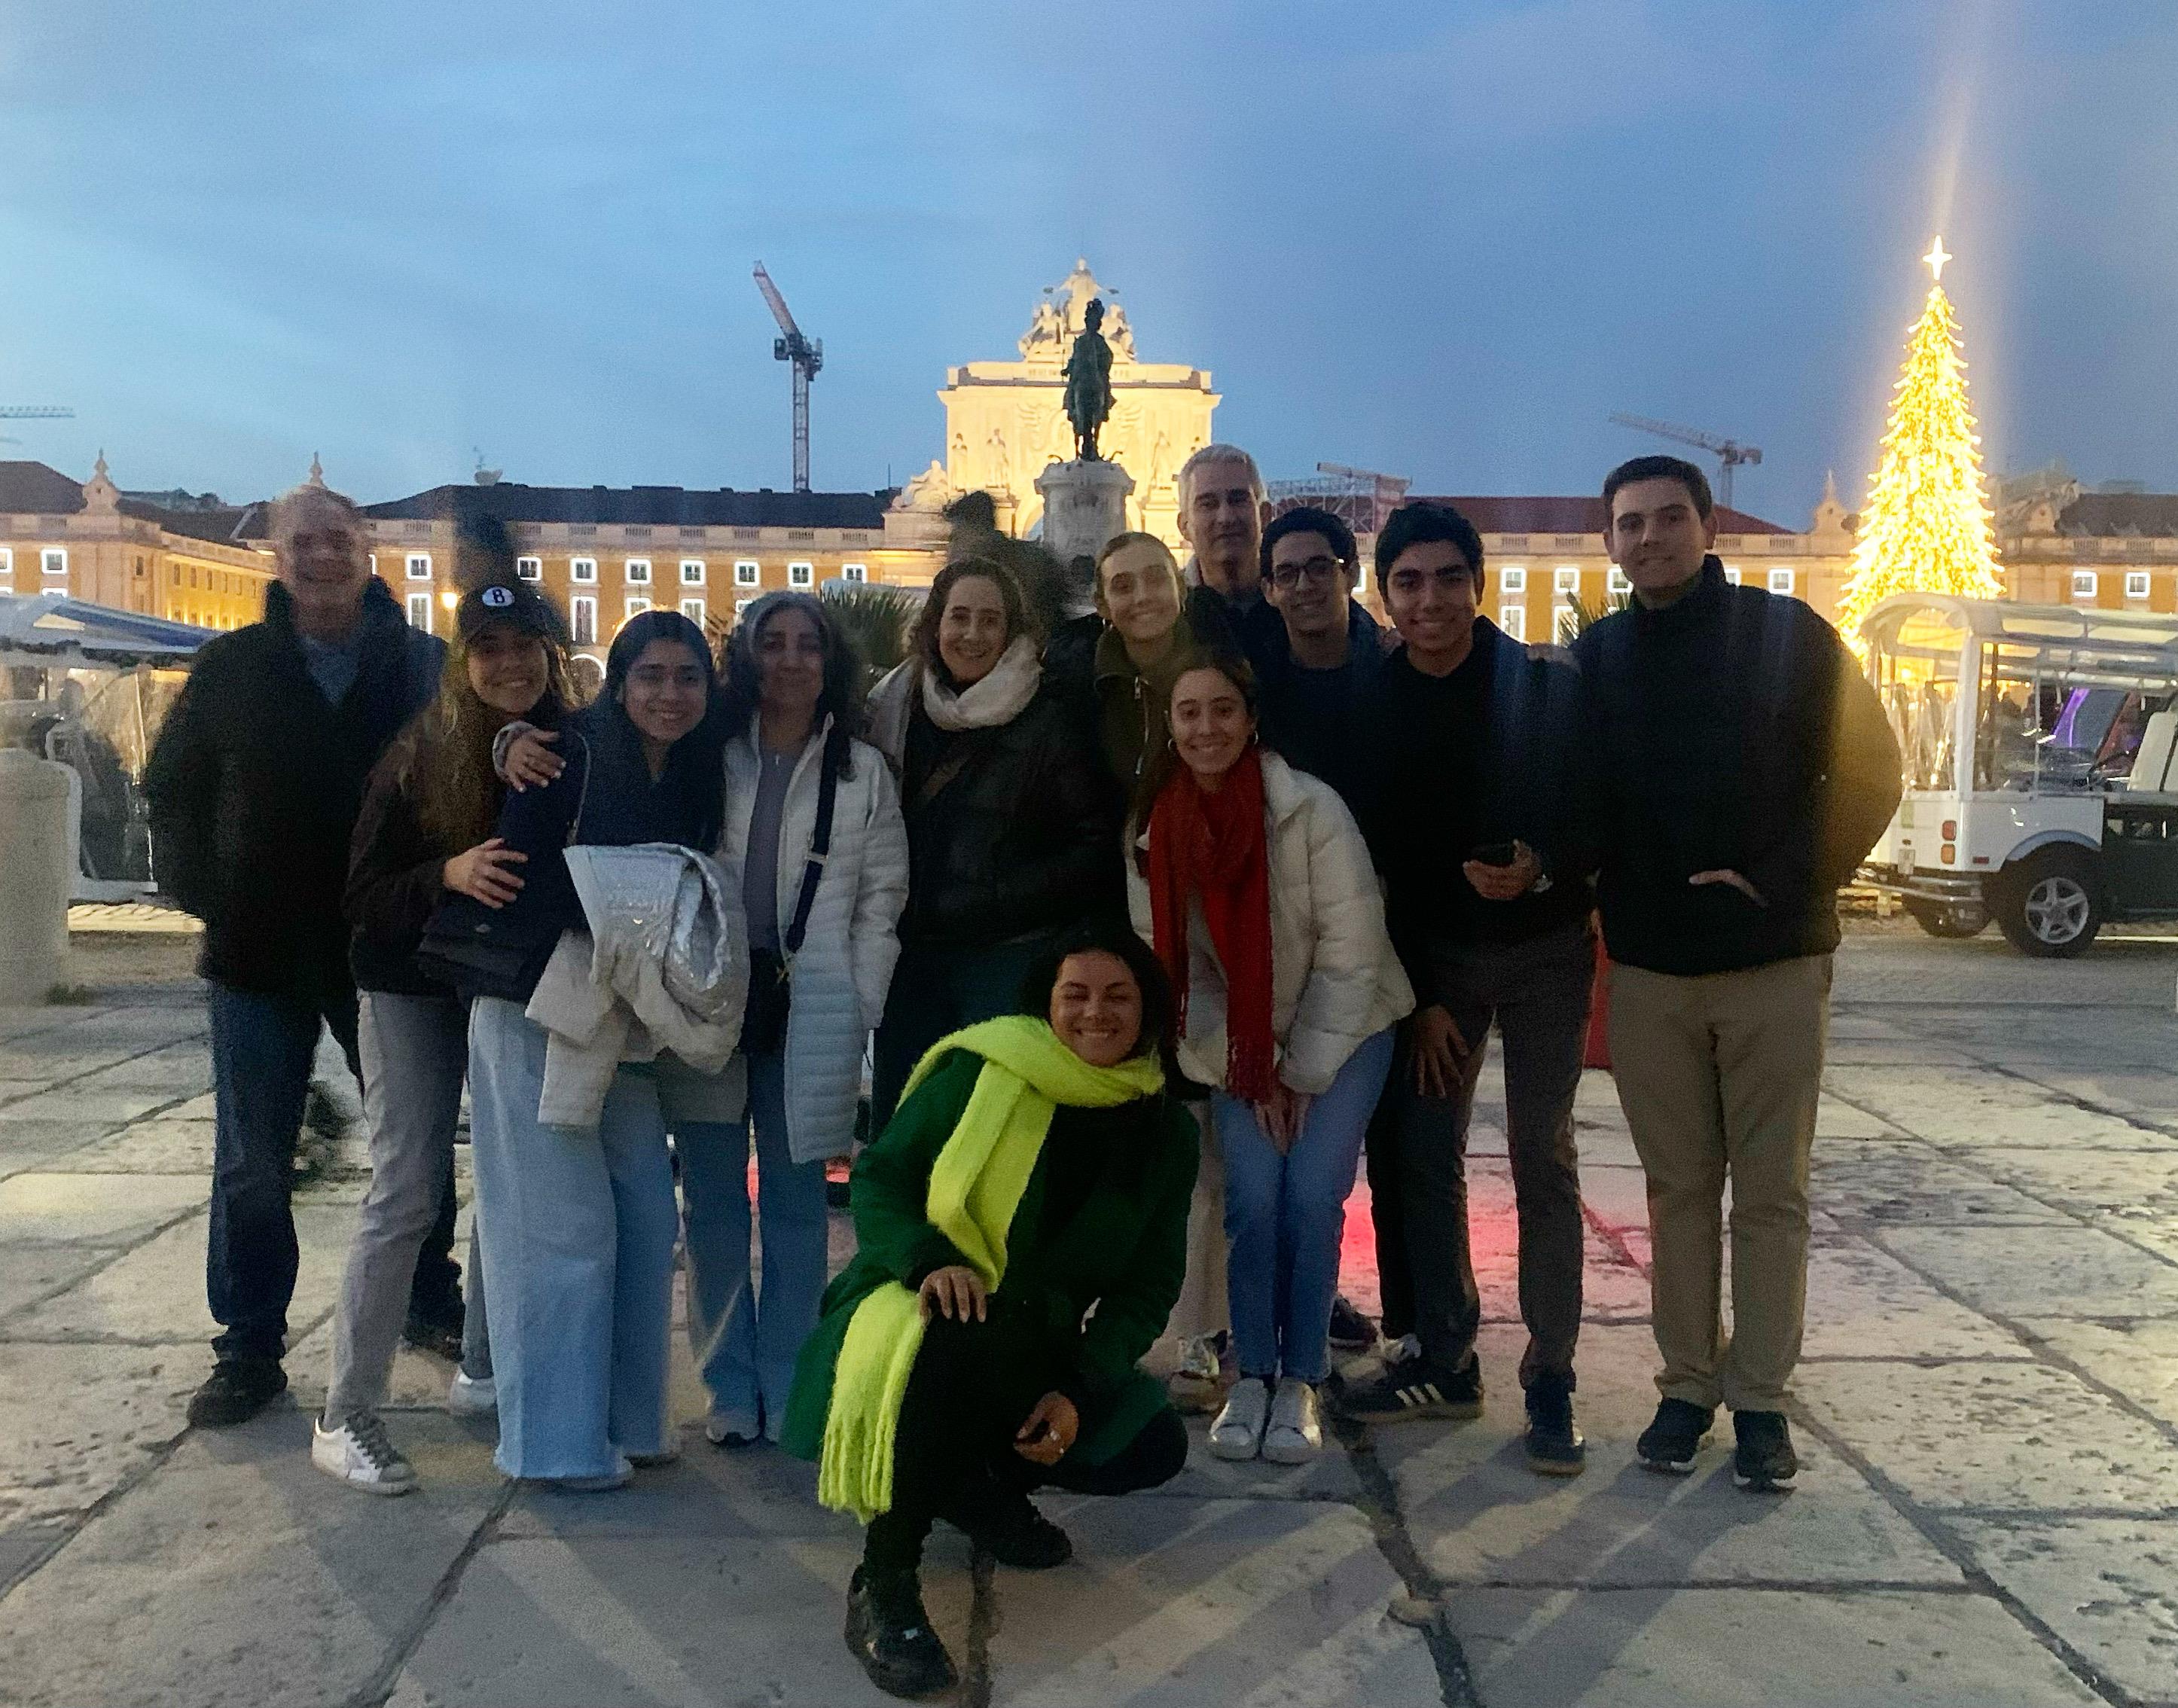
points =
(579, 1223)
(1254, 885)
(824, 919)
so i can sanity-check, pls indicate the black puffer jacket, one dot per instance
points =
(1020, 834)
(254, 786)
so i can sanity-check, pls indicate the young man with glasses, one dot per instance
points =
(1487, 900)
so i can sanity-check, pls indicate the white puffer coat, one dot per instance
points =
(839, 978)
(1335, 980)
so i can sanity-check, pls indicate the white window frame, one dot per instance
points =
(635, 570)
(374, 563)
(584, 570)
(692, 571)
(1781, 582)
(1512, 578)
(529, 568)
(1617, 583)
(637, 603)
(2136, 583)
(419, 566)
(8, 565)
(741, 608)
(1513, 620)
(1731, 573)
(582, 614)
(2084, 583)
(692, 609)
(802, 575)
(1566, 578)
(52, 562)
(854, 572)
(419, 603)
(747, 572)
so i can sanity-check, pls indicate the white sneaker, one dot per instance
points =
(732, 1429)
(472, 1397)
(620, 1477)
(1237, 1433)
(358, 1454)
(1295, 1432)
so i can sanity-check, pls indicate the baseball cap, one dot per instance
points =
(517, 605)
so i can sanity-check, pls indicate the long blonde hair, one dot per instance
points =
(444, 755)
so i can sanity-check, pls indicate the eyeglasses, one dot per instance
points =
(1323, 571)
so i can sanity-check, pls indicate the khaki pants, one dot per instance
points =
(1719, 1076)
(1200, 1308)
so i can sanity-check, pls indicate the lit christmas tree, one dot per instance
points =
(1926, 528)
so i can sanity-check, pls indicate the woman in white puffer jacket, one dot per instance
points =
(1253, 883)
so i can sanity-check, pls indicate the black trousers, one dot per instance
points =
(1537, 994)
(1388, 1216)
(973, 1386)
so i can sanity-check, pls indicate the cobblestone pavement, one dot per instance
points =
(1988, 1513)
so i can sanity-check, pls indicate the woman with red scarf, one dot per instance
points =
(1255, 887)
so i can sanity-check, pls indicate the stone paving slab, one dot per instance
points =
(29, 1273)
(1733, 1648)
(95, 1209)
(1176, 1601)
(2109, 1587)
(30, 1146)
(2020, 1436)
(77, 1422)
(1902, 1180)
(2138, 1360)
(239, 1575)
(158, 1146)
(2058, 1271)
(1862, 1303)
(657, 1622)
(1973, 1109)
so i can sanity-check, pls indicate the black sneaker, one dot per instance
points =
(1765, 1459)
(1414, 1388)
(236, 1390)
(1016, 1534)
(1350, 1331)
(889, 1632)
(1674, 1436)
(1555, 1447)
(439, 1332)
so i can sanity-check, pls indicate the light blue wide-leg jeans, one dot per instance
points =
(1284, 1216)
(745, 1340)
(578, 1228)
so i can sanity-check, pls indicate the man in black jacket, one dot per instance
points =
(255, 786)
(1741, 767)
(1488, 903)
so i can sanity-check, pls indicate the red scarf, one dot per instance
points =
(1216, 847)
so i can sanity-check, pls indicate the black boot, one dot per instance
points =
(1555, 1447)
(1007, 1523)
(890, 1633)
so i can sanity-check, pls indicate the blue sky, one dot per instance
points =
(1445, 240)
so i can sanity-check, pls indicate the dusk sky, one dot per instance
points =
(1442, 240)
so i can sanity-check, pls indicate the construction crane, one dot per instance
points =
(1730, 453)
(31, 412)
(807, 356)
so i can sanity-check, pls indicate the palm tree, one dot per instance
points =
(876, 620)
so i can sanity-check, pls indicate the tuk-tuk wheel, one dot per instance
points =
(2049, 905)
(1948, 919)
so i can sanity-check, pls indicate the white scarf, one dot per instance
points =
(989, 700)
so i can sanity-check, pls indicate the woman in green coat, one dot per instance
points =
(1023, 1222)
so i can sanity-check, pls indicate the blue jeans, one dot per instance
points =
(577, 1227)
(1284, 1215)
(262, 1046)
(744, 1339)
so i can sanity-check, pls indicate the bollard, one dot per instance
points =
(34, 882)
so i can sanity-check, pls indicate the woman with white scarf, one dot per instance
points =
(1013, 822)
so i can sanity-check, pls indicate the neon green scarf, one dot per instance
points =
(975, 1186)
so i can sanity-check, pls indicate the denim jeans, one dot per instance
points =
(936, 992)
(577, 1227)
(415, 1052)
(1284, 1216)
(745, 1338)
(262, 1046)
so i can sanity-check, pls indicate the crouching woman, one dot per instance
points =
(1023, 1222)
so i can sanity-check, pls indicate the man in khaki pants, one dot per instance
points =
(1742, 767)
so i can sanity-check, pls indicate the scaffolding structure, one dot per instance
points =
(1361, 498)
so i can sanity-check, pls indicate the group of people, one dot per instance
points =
(1150, 926)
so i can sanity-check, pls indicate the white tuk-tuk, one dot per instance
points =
(2041, 752)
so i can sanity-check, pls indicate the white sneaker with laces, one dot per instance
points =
(1294, 1435)
(358, 1452)
(471, 1396)
(1237, 1433)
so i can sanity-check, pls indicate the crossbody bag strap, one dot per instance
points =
(820, 843)
(582, 797)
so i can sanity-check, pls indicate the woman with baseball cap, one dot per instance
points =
(426, 830)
